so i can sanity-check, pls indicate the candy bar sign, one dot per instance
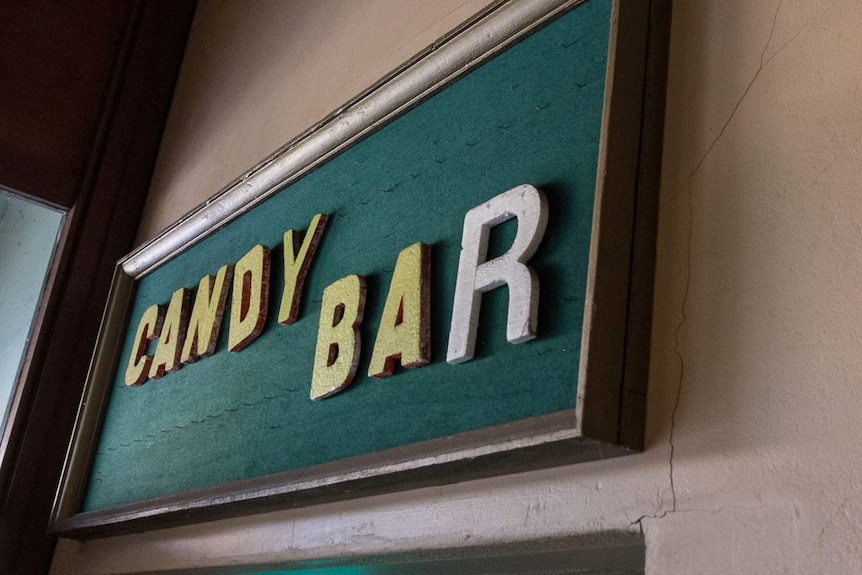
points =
(448, 278)
(403, 336)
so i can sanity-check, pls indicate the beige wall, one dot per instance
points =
(754, 458)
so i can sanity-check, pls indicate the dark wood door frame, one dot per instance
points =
(108, 188)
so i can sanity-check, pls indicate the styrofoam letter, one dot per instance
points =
(250, 297)
(476, 276)
(167, 356)
(404, 333)
(338, 340)
(207, 314)
(296, 266)
(149, 328)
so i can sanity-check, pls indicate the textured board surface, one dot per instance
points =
(532, 115)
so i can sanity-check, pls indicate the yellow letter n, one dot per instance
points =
(207, 315)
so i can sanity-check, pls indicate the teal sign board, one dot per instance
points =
(532, 115)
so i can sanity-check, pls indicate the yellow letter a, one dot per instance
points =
(404, 331)
(167, 356)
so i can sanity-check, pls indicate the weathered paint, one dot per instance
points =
(476, 275)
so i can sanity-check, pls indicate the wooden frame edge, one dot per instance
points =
(541, 442)
(97, 392)
(617, 316)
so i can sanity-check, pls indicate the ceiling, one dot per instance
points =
(56, 64)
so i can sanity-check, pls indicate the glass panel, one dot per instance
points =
(28, 238)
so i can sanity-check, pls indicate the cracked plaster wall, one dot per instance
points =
(753, 462)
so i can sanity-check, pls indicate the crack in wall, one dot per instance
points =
(676, 344)
(821, 537)
(397, 52)
(763, 62)
(661, 512)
